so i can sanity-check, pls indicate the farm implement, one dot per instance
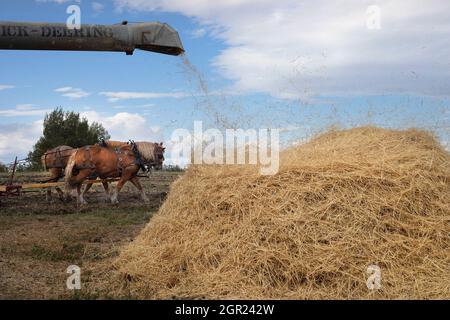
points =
(14, 188)
(124, 37)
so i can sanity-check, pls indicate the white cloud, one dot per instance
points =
(25, 106)
(24, 110)
(17, 139)
(58, 1)
(98, 7)
(155, 129)
(144, 106)
(299, 49)
(124, 126)
(6, 86)
(198, 33)
(141, 106)
(72, 93)
(114, 96)
(126, 95)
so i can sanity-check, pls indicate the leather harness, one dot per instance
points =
(120, 158)
(58, 160)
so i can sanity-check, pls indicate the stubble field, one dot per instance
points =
(39, 240)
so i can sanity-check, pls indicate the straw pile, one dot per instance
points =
(344, 201)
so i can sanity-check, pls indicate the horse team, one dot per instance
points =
(108, 159)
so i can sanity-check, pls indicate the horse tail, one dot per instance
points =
(69, 172)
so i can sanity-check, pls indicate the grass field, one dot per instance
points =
(39, 240)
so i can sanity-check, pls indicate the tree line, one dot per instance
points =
(64, 128)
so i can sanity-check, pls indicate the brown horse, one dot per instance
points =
(113, 145)
(55, 161)
(107, 161)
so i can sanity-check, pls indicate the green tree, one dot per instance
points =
(3, 168)
(65, 128)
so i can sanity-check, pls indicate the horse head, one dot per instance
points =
(159, 156)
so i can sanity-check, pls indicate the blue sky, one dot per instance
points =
(285, 64)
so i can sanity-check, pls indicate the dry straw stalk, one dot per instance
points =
(341, 202)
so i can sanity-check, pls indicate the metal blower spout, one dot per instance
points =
(157, 37)
(152, 36)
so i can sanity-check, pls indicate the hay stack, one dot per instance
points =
(344, 201)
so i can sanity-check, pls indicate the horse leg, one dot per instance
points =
(80, 199)
(78, 182)
(58, 173)
(60, 193)
(54, 176)
(48, 195)
(135, 181)
(86, 189)
(106, 187)
(117, 189)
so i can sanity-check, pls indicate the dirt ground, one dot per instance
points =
(39, 240)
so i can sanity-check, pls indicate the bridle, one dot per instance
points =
(145, 165)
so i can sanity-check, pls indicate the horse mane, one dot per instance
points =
(146, 149)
